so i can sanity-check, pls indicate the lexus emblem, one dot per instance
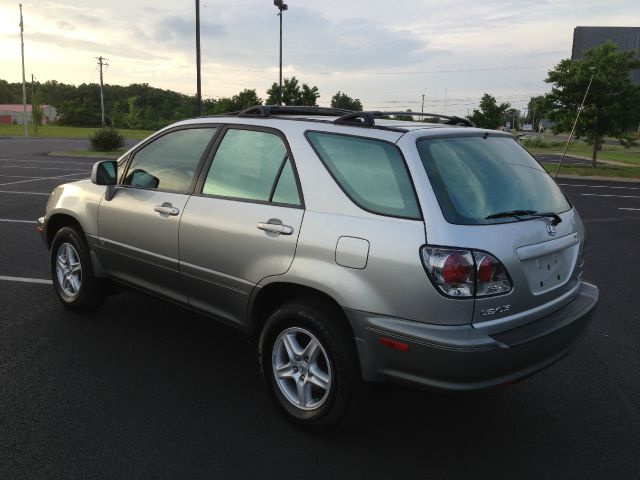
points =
(551, 229)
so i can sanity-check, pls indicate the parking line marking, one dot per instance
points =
(17, 221)
(47, 168)
(25, 193)
(42, 161)
(603, 195)
(40, 179)
(635, 209)
(597, 186)
(26, 280)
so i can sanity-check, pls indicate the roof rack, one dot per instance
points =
(269, 110)
(368, 118)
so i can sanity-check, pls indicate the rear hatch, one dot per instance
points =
(494, 197)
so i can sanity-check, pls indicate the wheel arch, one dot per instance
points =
(267, 298)
(58, 221)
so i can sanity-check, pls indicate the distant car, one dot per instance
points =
(353, 248)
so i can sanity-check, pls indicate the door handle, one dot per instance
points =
(167, 209)
(275, 228)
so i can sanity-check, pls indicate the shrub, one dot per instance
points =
(106, 139)
(539, 143)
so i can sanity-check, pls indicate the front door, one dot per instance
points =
(138, 227)
(242, 223)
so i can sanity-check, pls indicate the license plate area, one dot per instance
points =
(548, 272)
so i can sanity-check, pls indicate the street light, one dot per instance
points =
(282, 7)
(198, 78)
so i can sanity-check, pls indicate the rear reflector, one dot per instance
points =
(396, 345)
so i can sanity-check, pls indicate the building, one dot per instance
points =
(12, 114)
(627, 38)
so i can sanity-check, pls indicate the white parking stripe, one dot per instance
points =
(39, 179)
(635, 209)
(41, 161)
(17, 221)
(25, 193)
(603, 195)
(596, 186)
(26, 280)
(47, 168)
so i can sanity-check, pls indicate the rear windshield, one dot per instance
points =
(474, 177)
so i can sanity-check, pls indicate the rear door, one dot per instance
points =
(138, 227)
(242, 223)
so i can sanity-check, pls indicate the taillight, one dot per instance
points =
(465, 273)
(451, 270)
(492, 277)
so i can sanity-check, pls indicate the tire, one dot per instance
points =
(328, 373)
(72, 271)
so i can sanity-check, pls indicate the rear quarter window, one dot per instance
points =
(372, 173)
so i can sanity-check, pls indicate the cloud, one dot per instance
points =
(115, 49)
(249, 37)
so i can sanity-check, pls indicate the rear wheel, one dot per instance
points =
(309, 360)
(72, 272)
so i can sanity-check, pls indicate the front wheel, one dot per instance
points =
(309, 360)
(72, 272)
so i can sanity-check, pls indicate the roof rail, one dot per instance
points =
(269, 110)
(368, 118)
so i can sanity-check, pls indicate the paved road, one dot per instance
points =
(144, 389)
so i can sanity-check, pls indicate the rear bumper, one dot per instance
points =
(460, 358)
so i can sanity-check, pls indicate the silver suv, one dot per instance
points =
(354, 248)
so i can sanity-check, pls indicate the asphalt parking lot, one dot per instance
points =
(144, 389)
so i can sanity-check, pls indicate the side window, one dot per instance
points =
(252, 165)
(371, 173)
(170, 162)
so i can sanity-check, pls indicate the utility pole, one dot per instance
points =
(24, 88)
(198, 78)
(281, 7)
(101, 63)
(422, 111)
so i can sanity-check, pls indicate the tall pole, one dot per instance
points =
(198, 78)
(101, 63)
(422, 111)
(24, 87)
(281, 7)
(280, 90)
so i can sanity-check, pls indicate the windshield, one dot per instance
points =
(478, 177)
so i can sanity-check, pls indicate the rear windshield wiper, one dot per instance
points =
(555, 218)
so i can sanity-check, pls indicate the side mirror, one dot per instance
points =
(105, 173)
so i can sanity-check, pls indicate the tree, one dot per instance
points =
(293, 94)
(514, 117)
(491, 115)
(342, 100)
(36, 111)
(537, 108)
(243, 100)
(406, 118)
(116, 113)
(132, 117)
(612, 106)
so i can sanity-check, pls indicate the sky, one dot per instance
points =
(386, 53)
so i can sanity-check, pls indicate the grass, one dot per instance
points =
(618, 153)
(602, 170)
(57, 131)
